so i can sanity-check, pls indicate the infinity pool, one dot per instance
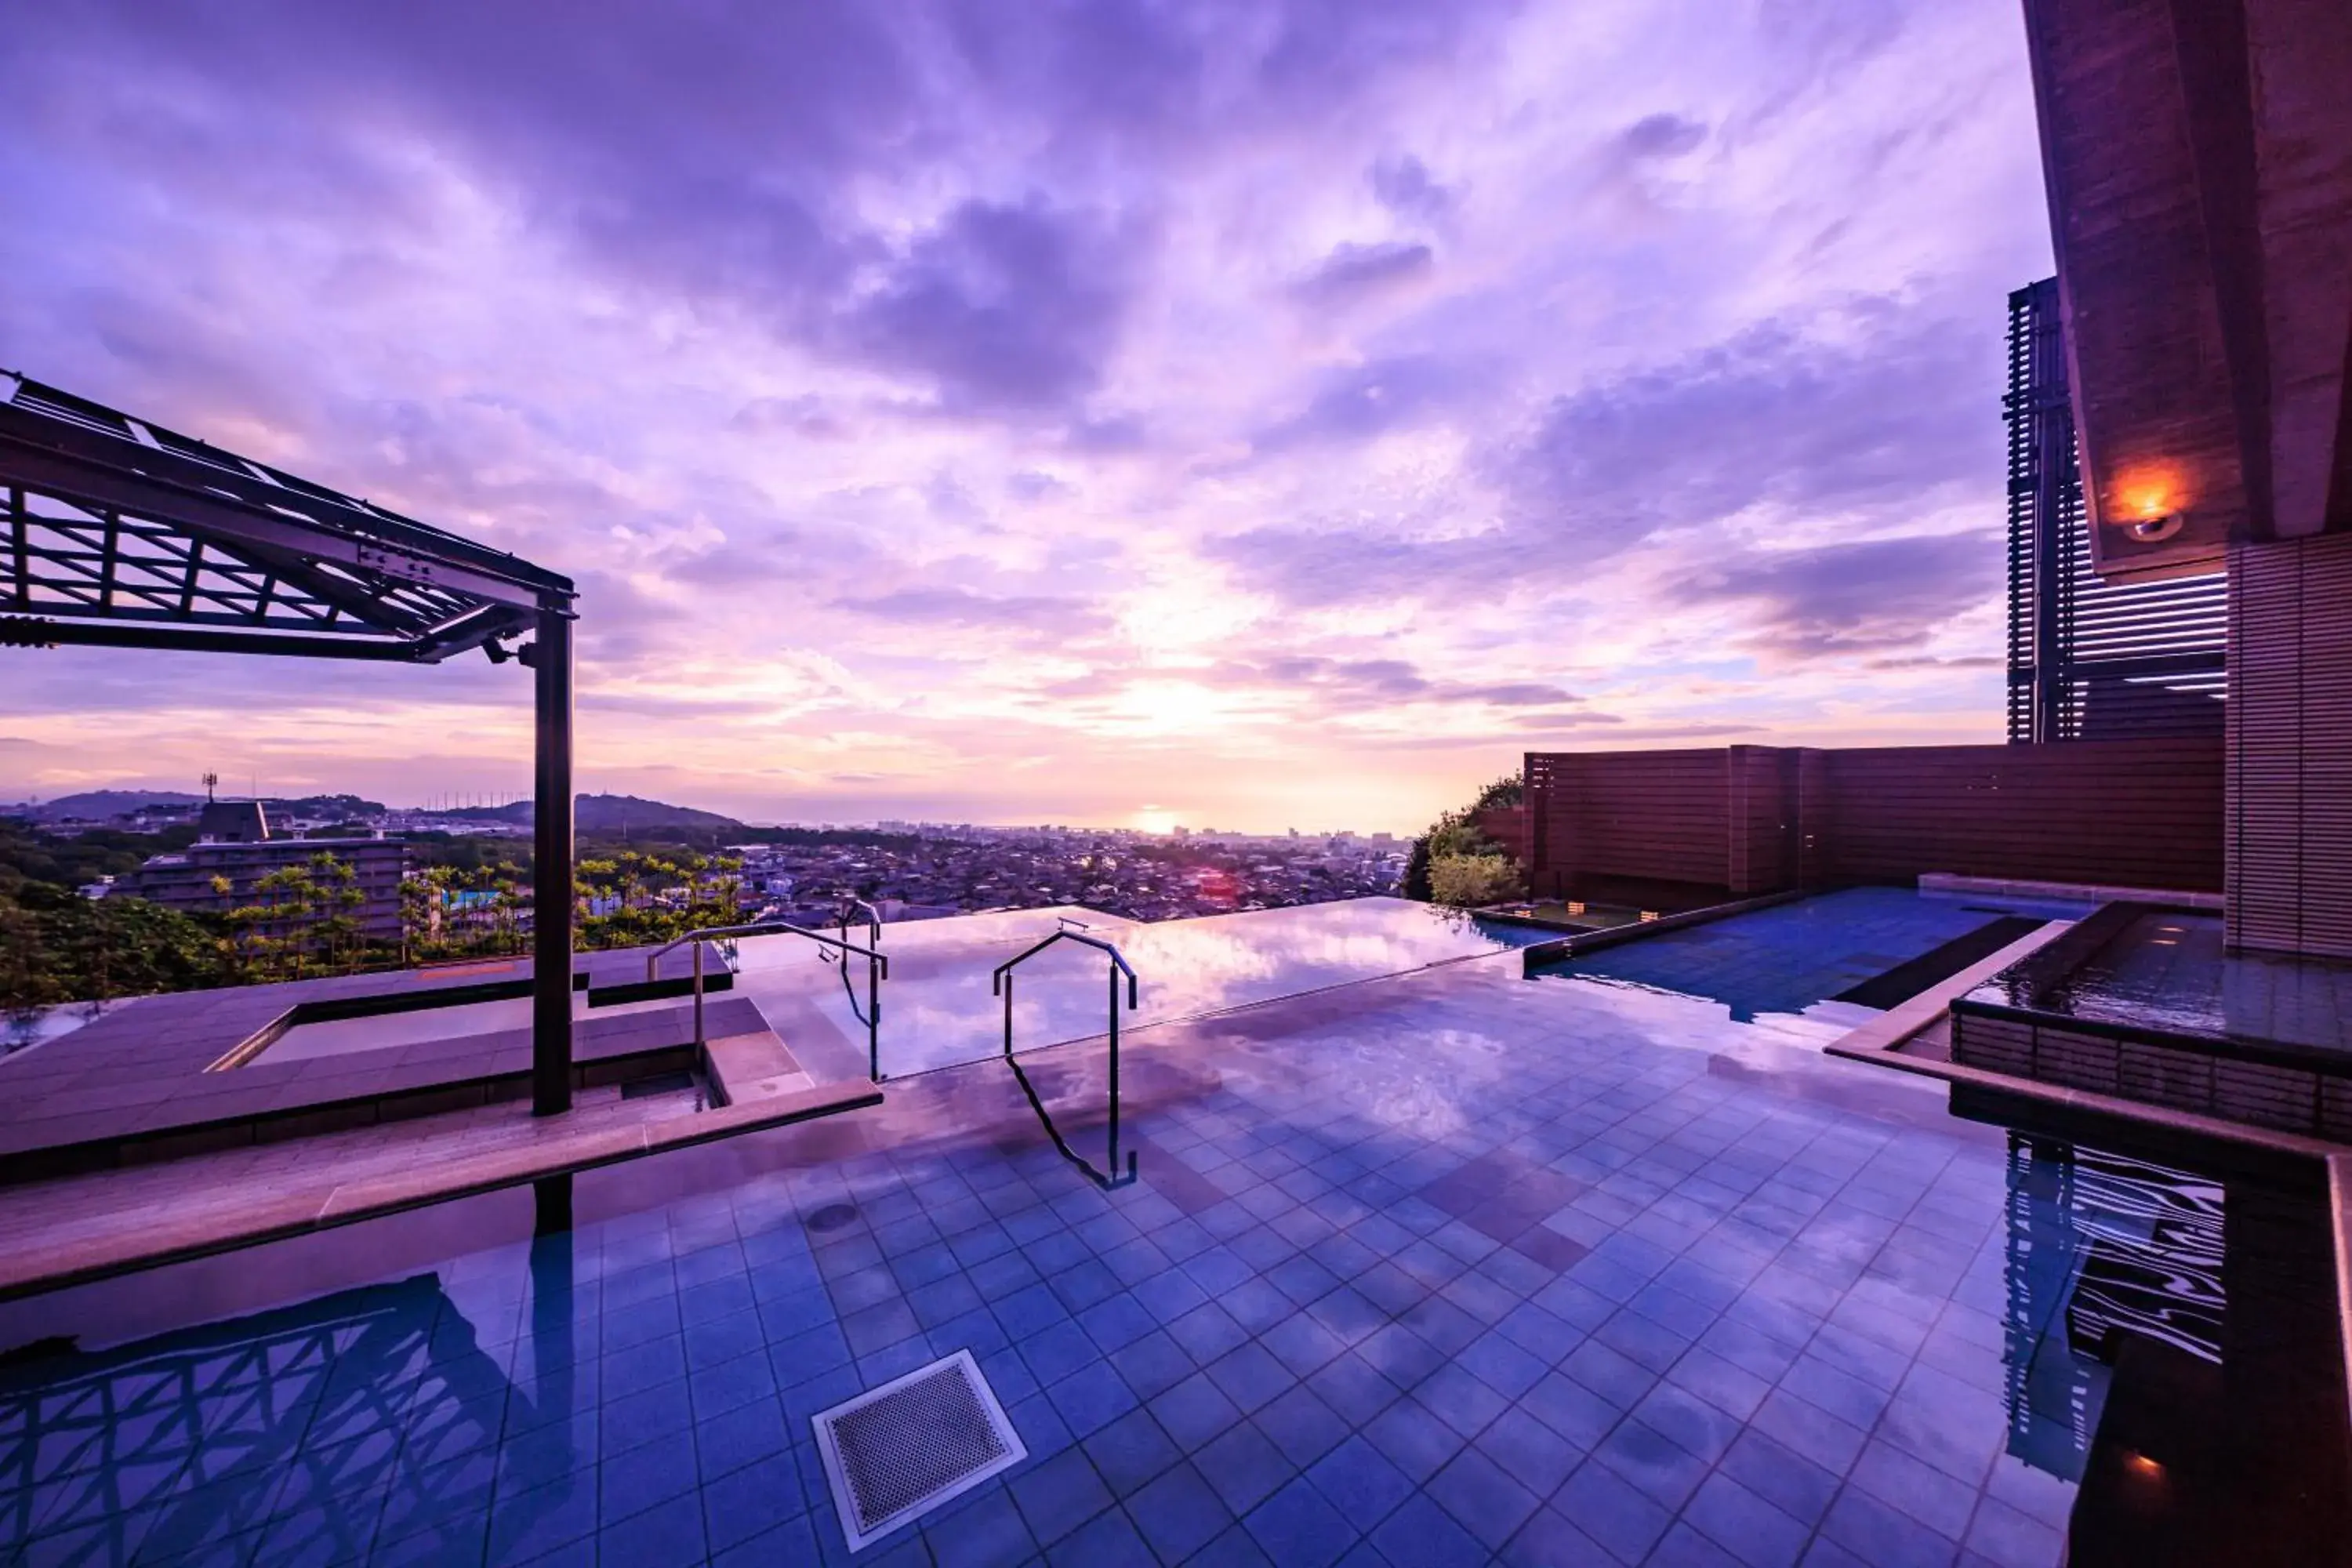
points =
(1451, 1268)
(937, 1009)
(1789, 963)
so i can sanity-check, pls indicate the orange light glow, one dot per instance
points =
(2141, 1465)
(2151, 490)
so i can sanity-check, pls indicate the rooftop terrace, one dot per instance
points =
(1455, 1264)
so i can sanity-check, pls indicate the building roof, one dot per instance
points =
(119, 532)
(233, 821)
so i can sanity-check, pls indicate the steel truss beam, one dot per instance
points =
(115, 532)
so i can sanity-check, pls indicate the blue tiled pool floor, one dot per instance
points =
(1489, 1272)
(1789, 957)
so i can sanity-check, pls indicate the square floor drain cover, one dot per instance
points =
(902, 1449)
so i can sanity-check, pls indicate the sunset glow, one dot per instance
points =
(1311, 418)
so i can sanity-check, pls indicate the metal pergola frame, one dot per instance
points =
(119, 533)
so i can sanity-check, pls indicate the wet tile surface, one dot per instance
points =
(1465, 1269)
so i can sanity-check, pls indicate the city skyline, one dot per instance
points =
(1254, 424)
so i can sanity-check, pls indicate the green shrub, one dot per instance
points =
(1455, 835)
(1467, 881)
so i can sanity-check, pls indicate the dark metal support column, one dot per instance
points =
(2053, 460)
(550, 1007)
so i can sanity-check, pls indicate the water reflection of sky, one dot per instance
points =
(937, 1009)
(2170, 969)
(1790, 959)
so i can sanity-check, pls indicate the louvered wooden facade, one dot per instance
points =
(2290, 771)
(1743, 820)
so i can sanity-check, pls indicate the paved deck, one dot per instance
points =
(141, 1072)
(65, 1232)
(1446, 1267)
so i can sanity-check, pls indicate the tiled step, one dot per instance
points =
(753, 1065)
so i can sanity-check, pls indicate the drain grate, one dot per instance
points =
(902, 1449)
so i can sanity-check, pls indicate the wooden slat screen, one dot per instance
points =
(1650, 815)
(2135, 814)
(1754, 819)
(2290, 775)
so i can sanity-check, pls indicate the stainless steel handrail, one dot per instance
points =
(878, 969)
(851, 904)
(1001, 984)
(873, 920)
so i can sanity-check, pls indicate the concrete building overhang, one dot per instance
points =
(2198, 155)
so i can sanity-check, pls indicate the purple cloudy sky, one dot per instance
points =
(1264, 412)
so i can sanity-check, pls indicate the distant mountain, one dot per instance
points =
(617, 813)
(101, 805)
(331, 808)
(607, 813)
(97, 805)
(513, 811)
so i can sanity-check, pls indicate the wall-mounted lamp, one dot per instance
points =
(2155, 530)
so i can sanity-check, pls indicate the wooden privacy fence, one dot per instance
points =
(1756, 819)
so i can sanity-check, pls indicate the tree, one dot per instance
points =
(298, 914)
(1455, 834)
(1468, 882)
(632, 898)
(58, 946)
(454, 912)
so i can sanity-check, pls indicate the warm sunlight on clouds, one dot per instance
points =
(1289, 424)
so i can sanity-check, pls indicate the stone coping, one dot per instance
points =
(327, 1206)
(1593, 940)
(1906, 1018)
(1875, 1043)
(2078, 892)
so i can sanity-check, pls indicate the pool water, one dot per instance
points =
(2169, 968)
(938, 1010)
(1790, 961)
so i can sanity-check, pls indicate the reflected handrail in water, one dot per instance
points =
(999, 983)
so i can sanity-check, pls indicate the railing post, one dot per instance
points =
(551, 863)
(1113, 1163)
(699, 1041)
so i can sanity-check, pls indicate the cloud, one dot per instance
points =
(1863, 597)
(1864, 410)
(1365, 400)
(1001, 308)
(1200, 361)
(1036, 615)
(1661, 136)
(1351, 683)
(1354, 271)
(1405, 185)
(1864, 414)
